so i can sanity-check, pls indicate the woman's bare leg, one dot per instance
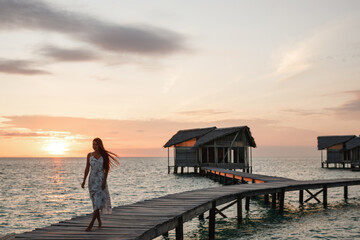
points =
(91, 224)
(99, 219)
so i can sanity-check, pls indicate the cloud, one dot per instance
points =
(140, 39)
(325, 51)
(293, 62)
(351, 108)
(202, 112)
(68, 55)
(154, 133)
(20, 134)
(302, 112)
(19, 67)
(354, 104)
(146, 138)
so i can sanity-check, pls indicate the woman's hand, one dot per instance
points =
(103, 186)
(83, 185)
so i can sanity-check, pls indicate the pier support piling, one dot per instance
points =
(301, 196)
(325, 196)
(266, 198)
(281, 201)
(239, 210)
(273, 200)
(179, 231)
(345, 192)
(247, 203)
(212, 221)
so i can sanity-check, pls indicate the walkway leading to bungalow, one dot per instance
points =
(155, 217)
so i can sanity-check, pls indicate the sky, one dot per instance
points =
(135, 72)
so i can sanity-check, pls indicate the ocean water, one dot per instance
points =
(36, 192)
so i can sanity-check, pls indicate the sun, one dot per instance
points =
(56, 147)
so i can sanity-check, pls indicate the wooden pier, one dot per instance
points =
(155, 217)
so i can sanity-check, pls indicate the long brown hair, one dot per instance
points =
(108, 157)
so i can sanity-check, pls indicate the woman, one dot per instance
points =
(100, 161)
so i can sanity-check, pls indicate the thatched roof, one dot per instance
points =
(221, 132)
(353, 143)
(185, 135)
(205, 135)
(328, 141)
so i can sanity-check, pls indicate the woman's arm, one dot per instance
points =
(103, 186)
(87, 168)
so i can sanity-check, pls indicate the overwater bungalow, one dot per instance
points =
(229, 148)
(338, 153)
(353, 146)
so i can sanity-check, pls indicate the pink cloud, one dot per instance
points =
(351, 108)
(146, 138)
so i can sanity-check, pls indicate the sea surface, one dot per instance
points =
(36, 192)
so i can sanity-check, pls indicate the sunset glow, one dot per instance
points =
(56, 147)
(134, 74)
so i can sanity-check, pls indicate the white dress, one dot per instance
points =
(100, 198)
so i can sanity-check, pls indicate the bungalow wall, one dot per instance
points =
(219, 152)
(335, 153)
(355, 154)
(185, 157)
(185, 154)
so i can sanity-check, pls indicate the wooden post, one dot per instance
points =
(322, 161)
(239, 210)
(175, 169)
(216, 153)
(345, 192)
(168, 161)
(325, 196)
(301, 196)
(266, 198)
(212, 221)
(179, 231)
(182, 170)
(233, 179)
(247, 203)
(273, 200)
(250, 160)
(281, 201)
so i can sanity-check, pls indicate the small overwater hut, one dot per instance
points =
(340, 150)
(229, 148)
(353, 147)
